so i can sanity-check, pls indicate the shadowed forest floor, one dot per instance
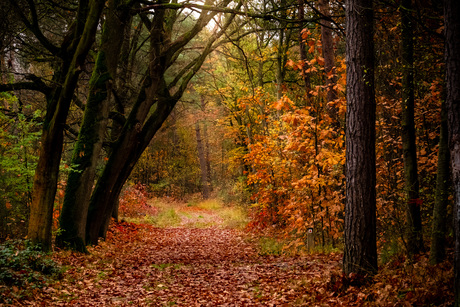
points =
(214, 265)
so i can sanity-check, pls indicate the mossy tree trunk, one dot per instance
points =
(46, 174)
(90, 138)
(153, 105)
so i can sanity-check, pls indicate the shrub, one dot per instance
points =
(23, 265)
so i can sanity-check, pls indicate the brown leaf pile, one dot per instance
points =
(147, 266)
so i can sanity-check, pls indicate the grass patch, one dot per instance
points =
(166, 218)
(210, 204)
(270, 246)
(234, 217)
(194, 214)
(164, 266)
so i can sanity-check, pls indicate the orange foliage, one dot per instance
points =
(133, 201)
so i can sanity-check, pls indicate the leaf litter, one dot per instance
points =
(142, 265)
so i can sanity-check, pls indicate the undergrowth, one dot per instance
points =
(24, 268)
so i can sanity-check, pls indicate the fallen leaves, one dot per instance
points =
(141, 265)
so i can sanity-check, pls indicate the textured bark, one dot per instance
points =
(411, 186)
(452, 58)
(438, 233)
(360, 255)
(89, 144)
(46, 174)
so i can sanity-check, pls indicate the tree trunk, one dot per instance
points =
(207, 157)
(302, 51)
(207, 151)
(411, 186)
(452, 33)
(46, 173)
(438, 233)
(3, 220)
(203, 166)
(125, 154)
(328, 55)
(89, 144)
(153, 105)
(360, 255)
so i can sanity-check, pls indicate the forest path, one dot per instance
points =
(142, 265)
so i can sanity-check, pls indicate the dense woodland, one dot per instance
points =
(339, 117)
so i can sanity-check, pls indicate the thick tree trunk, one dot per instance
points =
(153, 106)
(360, 255)
(452, 33)
(414, 220)
(133, 140)
(46, 174)
(89, 144)
(203, 166)
(121, 162)
(45, 186)
(438, 233)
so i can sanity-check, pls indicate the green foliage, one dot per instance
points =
(236, 191)
(23, 265)
(270, 246)
(19, 136)
(167, 218)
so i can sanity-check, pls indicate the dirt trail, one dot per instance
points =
(147, 266)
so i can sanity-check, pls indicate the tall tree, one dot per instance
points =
(452, 36)
(155, 101)
(439, 227)
(72, 220)
(360, 255)
(414, 220)
(71, 55)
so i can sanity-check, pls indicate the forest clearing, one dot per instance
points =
(202, 256)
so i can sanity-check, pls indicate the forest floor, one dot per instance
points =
(205, 260)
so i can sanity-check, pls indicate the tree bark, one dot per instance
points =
(414, 220)
(154, 104)
(360, 255)
(438, 233)
(46, 174)
(452, 59)
(89, 144)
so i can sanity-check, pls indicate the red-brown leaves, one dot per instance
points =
(142, 265)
